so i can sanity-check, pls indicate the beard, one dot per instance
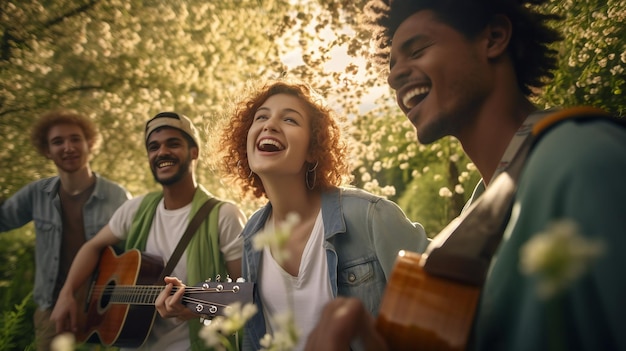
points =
(183, 169)
(451, 119)
(71, 166)
(432, 132)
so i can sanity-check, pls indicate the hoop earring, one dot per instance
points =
(306, 176)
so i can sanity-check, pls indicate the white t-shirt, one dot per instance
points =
(305, 294)
(167, 228)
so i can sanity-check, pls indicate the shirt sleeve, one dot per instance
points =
(231, 223)
(122, 218)
(393, 232)
(17, 210)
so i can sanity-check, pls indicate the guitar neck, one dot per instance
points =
(215, 293)
(463, 250)
(133, 294)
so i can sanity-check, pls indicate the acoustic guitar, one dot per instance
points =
(119, 308)
(430, 299)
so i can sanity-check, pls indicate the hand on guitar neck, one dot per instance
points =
(169, 303)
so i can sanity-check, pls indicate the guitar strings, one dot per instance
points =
(158, 289)
(126, 294)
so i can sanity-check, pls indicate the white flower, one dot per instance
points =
(445, 192)
(276, 238)
(459, 189)
(388, 190)
(215, 331)
(212, 335)
(63, 342)
(266, 341)
(285, 337)
(237, 316)
(557, 257)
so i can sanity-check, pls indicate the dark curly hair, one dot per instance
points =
(39, 131)
(530, 43)
(326, 145)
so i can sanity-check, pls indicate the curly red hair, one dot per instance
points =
(39, 131)
(326, 146)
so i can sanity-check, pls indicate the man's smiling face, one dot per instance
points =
(440, 76)
(169, 155)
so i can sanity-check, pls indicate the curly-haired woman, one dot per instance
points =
(282, 142)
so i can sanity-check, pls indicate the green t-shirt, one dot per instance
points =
(576, 171)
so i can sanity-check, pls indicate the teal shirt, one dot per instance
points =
(576, 171)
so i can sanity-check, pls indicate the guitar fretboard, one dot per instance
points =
(135, 295)
(147, 294)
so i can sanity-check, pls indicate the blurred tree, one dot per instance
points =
(122, 62)
(593, 55)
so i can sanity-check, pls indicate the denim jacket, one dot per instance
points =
(39, 202)
(363, 234)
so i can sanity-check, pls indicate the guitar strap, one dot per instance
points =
(202, 213)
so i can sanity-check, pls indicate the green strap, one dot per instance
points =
(139, 229)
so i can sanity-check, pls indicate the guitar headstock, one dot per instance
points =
(210, 298)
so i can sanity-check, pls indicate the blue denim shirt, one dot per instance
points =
(39, 202)
(363, 234)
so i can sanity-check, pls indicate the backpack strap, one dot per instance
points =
(578, 113)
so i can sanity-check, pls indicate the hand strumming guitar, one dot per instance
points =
(344, 320)
(65, 312)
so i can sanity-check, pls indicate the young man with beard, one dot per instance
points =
(468, 69)
(155, 222)
(67, 209)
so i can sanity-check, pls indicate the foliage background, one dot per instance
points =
(122, 61)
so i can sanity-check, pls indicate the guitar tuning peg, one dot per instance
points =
(228, 279)
(208, 280)
(241, 280)
(218, 278)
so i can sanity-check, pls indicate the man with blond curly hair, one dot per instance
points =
(67, 209)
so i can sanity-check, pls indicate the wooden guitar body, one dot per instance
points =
(423, 312)
(103, 320)
(119, 308)
(430, 299)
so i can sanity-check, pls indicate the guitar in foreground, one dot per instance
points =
(119, 309)
(431, 299)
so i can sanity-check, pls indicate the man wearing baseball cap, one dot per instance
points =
(155, 222)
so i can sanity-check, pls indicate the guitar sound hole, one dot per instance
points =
(107, 294)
